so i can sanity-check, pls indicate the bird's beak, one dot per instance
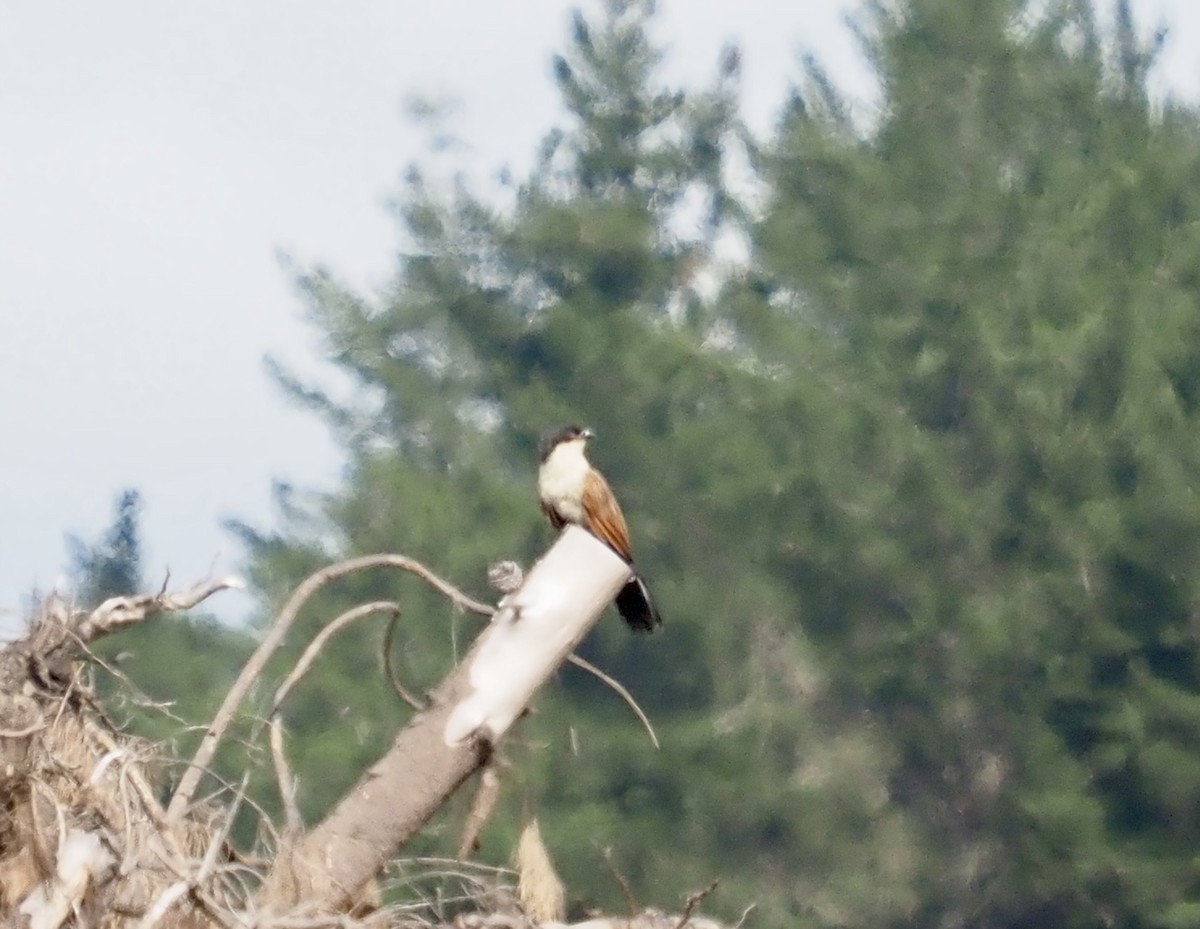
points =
(587, 434)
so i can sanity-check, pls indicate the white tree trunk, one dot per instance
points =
(534, 630)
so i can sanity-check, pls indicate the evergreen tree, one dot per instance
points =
(1003, 271)
(112, 567)
(914, 493)
(501, 324)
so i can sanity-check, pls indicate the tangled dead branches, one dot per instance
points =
(86, 838)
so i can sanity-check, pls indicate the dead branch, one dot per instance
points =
(274, 638)
(314, 647)
(120, 612)
(389, 665)
(22, 733)
(286, 782)
(467, 714)
(692, 902)
(482, 806)
(620, 689)
(61, 632)
(81, 792)
(626, 890)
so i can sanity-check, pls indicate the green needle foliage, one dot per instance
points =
(915, 490)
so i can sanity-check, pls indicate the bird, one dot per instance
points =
(573, 492)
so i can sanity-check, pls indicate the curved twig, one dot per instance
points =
(22, 733)
(620, 689)
(283, 775)
(318, 642)
(389, 665)
(271, 642)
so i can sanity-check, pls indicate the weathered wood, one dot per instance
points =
(534, 630)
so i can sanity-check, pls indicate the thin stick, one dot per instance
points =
(285, 779)
(487, 794)
(389, 665)
(315, 646)
(21, 733)
(692, 901)
(271, 642)
(219, 837)
(626, 890)
(165, 901)
(616, 685)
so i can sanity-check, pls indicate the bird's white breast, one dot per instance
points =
(560, 480)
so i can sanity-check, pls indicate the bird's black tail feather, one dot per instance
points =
(636, 607)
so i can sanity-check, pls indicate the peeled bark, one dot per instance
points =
(531, 634)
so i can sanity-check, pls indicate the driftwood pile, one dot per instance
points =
(89, 837)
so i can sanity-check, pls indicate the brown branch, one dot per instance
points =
(693, 901)
(274, 638)
(626, 890)
(389, 666)
(482, 807)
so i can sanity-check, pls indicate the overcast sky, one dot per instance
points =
(156, 158)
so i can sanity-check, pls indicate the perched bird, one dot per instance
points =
(572, 491)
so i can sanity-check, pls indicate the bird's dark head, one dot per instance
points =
(552, 440)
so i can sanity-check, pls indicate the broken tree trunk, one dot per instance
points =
(532, 632)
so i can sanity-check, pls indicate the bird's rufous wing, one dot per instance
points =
(604, 518)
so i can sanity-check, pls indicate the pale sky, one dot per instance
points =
(155, 158)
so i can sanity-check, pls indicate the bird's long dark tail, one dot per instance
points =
(636, 607)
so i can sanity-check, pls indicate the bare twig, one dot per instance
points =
(454, 864)
(284, 778)
(167, 899)
(626, 890)
(283, 775)
(271, 642)
(389, 665)
(135, 694)
(742, 919)
(482, 806)
(318, 642)
(119, 612)
(219, 837)
(616, 685)
(693, 901)
(21, 733)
